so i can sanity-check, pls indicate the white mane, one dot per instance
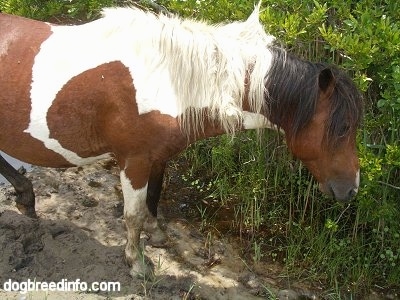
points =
(208, 64)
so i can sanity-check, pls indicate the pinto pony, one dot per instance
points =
(140, 88)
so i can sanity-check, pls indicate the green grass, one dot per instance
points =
(280, 213)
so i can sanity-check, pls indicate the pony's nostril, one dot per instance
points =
(342, 195)
(352, 193)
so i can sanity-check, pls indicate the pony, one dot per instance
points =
(141, 87)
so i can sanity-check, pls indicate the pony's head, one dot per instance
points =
(319, 108)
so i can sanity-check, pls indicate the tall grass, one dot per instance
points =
(280, 212)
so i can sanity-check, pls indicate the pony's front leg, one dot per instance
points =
(134, 184)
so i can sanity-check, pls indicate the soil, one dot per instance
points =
(80, 235)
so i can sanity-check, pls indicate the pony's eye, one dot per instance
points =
(344, 130)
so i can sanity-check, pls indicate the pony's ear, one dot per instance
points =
(326, 81)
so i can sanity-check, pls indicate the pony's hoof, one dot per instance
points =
(142, 269)
(27, 211)
(158, 240)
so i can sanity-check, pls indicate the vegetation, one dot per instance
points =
(277, 207)
(58, 11)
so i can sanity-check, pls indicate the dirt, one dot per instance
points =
(80, 235)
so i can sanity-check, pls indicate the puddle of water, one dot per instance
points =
(15, 163)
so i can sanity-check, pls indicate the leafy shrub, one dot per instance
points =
(58, 11)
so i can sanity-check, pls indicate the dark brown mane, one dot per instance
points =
(292, 91)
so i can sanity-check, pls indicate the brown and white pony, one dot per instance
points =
(140, 88)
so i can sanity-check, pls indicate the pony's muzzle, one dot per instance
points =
(344, 195)
(341, 189)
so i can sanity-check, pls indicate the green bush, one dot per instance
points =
(58, 11)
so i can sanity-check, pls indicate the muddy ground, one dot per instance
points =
(80, 234)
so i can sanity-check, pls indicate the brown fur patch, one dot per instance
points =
(20, 42)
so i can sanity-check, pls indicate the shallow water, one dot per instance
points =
(15, 163)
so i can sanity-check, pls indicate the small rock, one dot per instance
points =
(57, 229)
(288, 295)
(22, 170)
(250, 280)
(253, 282)
(109, 164)
(94, 183)
(183, 206)
(118, 210)
(89, 202)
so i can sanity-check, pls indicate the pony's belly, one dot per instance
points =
(25, 148)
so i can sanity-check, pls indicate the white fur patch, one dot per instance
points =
(255, 121)
(68, 52)
(134, 200)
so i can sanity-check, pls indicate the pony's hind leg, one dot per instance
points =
(157, 236)
(23, 187)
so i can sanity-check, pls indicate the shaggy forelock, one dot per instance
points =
(292, 92)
